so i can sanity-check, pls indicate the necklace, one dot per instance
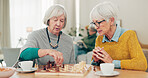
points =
(53, 46)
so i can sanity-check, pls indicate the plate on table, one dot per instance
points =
(115, 73)
(28, 71)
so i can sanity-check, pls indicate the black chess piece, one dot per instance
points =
(63, 66)
(57, 68)
(48, 64)
(99, 62)
(44, 67)
(94, 68)
(54, 65)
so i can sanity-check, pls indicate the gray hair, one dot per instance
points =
(104, 10)
(92, 27)
(55, 10)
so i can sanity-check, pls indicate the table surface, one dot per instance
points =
(91, 74)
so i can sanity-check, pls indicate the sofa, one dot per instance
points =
(145, 51)
(85, 57)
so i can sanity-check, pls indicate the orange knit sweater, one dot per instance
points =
(127, 50)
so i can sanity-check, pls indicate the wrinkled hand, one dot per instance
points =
(58, 56)
(101, 54)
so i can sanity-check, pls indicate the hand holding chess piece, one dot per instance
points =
(58, 56)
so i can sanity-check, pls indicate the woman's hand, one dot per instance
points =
(58, 56)
(101, 54)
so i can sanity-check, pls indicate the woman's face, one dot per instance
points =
(103, 27)
(56, 24)
(91, 32)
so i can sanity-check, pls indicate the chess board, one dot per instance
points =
(67, 70)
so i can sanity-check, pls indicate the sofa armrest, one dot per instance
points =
(89, 57)
(145, 51)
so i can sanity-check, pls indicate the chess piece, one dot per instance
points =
(36, 66)
(50, 65)
(63, 66)
(47, 67)
(44, 67)
(57, 67)
(54, 65)
(94, 69)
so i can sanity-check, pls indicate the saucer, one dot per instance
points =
(115, 73)
(26, 71)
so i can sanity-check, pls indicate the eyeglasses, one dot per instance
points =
(97, 23)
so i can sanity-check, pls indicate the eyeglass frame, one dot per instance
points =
(98, 23)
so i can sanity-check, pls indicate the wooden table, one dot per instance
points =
(123, 74)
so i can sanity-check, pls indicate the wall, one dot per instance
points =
(133, 15)
(70, 9)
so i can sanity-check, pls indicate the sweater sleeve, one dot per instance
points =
(29, 54)
(137, 60)
(92, 45)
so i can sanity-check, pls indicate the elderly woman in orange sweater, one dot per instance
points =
(115, 44)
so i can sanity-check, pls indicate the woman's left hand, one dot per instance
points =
(103, 55)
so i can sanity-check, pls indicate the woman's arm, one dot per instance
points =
(29, 54)
(34, 53)
(138, 60)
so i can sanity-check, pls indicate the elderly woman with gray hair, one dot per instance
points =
(88, 42)
(50, 43)
(115, 44)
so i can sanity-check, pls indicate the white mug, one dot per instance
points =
(26, 65)
(107, 68)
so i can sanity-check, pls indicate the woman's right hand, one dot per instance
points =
(101, 54)
(58, 56)
(96, 54)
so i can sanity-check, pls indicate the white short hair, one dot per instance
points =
(55, 10)
(92, 27)
(104, 10)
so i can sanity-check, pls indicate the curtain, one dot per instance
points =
(26, 14)
(4, 23)
(71, 14)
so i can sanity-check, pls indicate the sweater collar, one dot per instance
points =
(115, 36)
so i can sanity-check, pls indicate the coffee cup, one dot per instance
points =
(26, 65)
(107, 68)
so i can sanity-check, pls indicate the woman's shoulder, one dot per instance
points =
(66, 36)
(129, 32)
(37, 33)
(67, 39)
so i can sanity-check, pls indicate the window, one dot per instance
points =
(77, 17)
(25, 16)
